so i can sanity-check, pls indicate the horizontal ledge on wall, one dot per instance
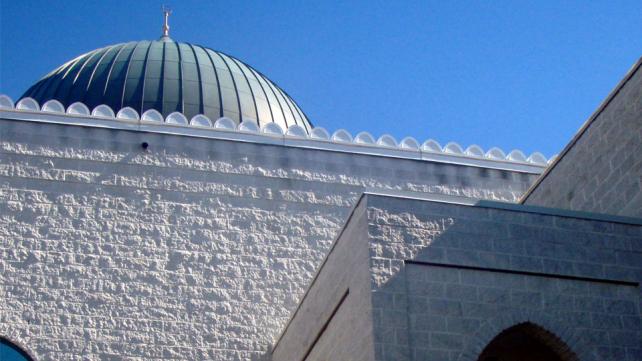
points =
(525, 273)
(341, 140)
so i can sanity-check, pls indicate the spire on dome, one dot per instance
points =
(166, 13)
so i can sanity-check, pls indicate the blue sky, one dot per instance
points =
(512, 74)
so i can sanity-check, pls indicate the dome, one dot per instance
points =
(169, 76)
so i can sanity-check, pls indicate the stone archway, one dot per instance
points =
(10, 351)
(527, 342)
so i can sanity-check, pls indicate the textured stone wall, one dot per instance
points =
(549, 270)
(331, 322)
(602, 171)
(193, 249)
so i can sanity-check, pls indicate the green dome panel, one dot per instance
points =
(170, 76)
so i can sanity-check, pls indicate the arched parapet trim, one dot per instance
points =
(19, 346)
(248, 130)
(554, 332)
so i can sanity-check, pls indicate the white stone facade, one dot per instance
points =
(194, 248)
(147, 238)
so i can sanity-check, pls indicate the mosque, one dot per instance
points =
(160, 200)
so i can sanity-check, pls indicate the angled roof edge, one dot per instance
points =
(605, 103)
(317, 272)
(505, 206)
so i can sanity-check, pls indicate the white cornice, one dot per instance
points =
(200, 126)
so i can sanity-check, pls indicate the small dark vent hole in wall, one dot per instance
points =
(569, 195)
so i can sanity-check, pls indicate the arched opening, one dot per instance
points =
(11, 352)
(527, 342)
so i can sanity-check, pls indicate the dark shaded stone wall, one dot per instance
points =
(447, 279)
(601, 170)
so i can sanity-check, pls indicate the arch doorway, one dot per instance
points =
(11, 352)
(527, 342)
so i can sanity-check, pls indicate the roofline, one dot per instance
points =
(605, 103)
(505, 206)
(261, 136)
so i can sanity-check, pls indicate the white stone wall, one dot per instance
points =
(194, 249)
(333, 319)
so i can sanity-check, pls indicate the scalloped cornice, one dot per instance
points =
(271, 133)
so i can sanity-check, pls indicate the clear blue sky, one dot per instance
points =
(512, 74)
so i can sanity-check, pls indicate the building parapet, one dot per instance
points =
(103, 116)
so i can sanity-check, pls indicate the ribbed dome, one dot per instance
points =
(169, 76)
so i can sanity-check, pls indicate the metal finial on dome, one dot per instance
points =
(166, 13)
